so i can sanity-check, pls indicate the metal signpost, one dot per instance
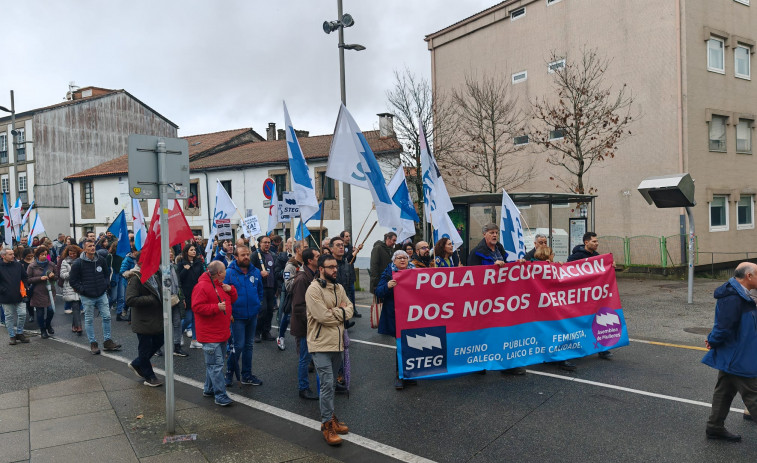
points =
(159, 169)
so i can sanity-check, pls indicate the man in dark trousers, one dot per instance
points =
(345, 273)
(381, 257)
(733, 343)
(583, 251)
(12, 276)
(264, 260)
(146, 305)
(299, 321)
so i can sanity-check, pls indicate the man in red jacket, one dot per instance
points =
(211, 304)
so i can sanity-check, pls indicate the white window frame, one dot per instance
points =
(5, 184)
(22, 184)
(710, 67)
(718, 228)
(560, 63)
(4, 147)
(517, 13)
(562, 129)
(749, 124)
(743, 2)
(748, 75)
(725, 134)
(552, 2)
(528, 140)
(520, 79)
(750, 225)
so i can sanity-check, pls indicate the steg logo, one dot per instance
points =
(424, 351)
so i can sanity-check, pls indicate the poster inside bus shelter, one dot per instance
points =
(453, 321)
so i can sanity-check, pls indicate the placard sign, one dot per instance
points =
(251, 226)
(223, 229)
(288, 208)
(576, 229)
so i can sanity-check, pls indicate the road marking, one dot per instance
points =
(667, 344)
(356, 439)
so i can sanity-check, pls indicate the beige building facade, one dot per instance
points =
(688, 65)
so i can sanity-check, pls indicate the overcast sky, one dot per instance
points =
(219, 65)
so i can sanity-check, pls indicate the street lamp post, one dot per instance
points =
(343, 20)
(13, 121)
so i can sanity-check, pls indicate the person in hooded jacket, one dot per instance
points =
(381, 257)
(127, 264)
(41, 273)
(146, 305)
(12, 291)
(190, 267)
(70, 254)
(732, 344)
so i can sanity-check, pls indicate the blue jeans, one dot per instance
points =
(121, 294)
(214, 381)
(15, 317)
(189, 323)
(244, 332)
(284, 324)
(89, 304)
(302, 366)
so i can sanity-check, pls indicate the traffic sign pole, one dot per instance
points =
(165, 270)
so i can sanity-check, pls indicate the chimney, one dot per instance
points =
(282, 134)
(270, 132)
(386, 125)
(302, 133)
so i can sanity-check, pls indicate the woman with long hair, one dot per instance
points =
(73, 302)
(189, 268)
(445, 255)
(41, 273)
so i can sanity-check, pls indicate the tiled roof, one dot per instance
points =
(269, 152)
(249, 154)
(205, 141)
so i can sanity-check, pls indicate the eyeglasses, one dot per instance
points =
(424, 247)
(400, 258)
(338, 245)
(330, 266)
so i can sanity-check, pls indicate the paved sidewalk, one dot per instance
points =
(109, 417)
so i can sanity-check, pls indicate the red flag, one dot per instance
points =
(178, 232)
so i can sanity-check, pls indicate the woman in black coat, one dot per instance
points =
(189, 268)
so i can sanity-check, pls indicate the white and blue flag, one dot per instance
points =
(511, 230)
(37, 229)
(121, 231)
(435, 195)
(26, 215)
(405, 228)
(352, 161)
(302, 182)
(140, 228)
(445, 228)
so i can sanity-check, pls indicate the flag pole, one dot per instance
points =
(357, 238)
(364, 240)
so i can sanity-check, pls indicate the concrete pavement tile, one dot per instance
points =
(78, 428)
(184, 456)
(15, 446)
(146, 436)
(114, 449)
(78, 404)
(14, 419)
(234, 444)
(14, 399)
(114, 382)
(88, 383)
(144, 400)
(198, 419)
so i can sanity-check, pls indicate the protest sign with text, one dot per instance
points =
(459, 320)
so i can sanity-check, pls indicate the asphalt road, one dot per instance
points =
(649, 403)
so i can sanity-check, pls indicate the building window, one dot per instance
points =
(745, 212)
(5, 185)
(22, 189)
(744, 136)
(552, 2)
(519, 77)
(327, 186)
(742, 62)
(719, 213)
(717, 133)
(715, 55)
(281, 185)
(20, 145)
(226, 184)
(521, 140)
(517, 14)
(555, 66)
(3, 149)
(88, 193)
(557, 134)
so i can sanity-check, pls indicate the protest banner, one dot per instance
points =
(251, 226)
(223, 229)
(459, 320)
(288, 208)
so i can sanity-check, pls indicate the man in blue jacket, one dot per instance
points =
(249, 285)
(733, 343)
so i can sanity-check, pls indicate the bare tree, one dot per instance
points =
(585, 123)
(486, 157)
(411, 101)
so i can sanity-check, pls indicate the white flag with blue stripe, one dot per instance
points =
(302, 182)
(139, 226)
(511, 230)
(397, 188)
(435, 195)
(37, 229)
(352, 161)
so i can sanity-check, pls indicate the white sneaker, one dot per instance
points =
(188, 333)
(68, 311)
(195, 345)
(280, 343)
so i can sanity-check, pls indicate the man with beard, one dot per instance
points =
(264, 259)
(422, 256)
(226, 253)
(249, 285)
(345, 274)
(299, 323)
(349, 250)
(328, 308)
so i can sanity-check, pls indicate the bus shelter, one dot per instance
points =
(562, 217)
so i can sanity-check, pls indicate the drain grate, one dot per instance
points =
(698, 330)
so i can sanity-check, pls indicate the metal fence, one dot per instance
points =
(650, 251)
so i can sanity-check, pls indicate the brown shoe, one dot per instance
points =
(94, 349)
(339, 426)
(329, 434)
(12, 341)
(110, 344)
(21, 338)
